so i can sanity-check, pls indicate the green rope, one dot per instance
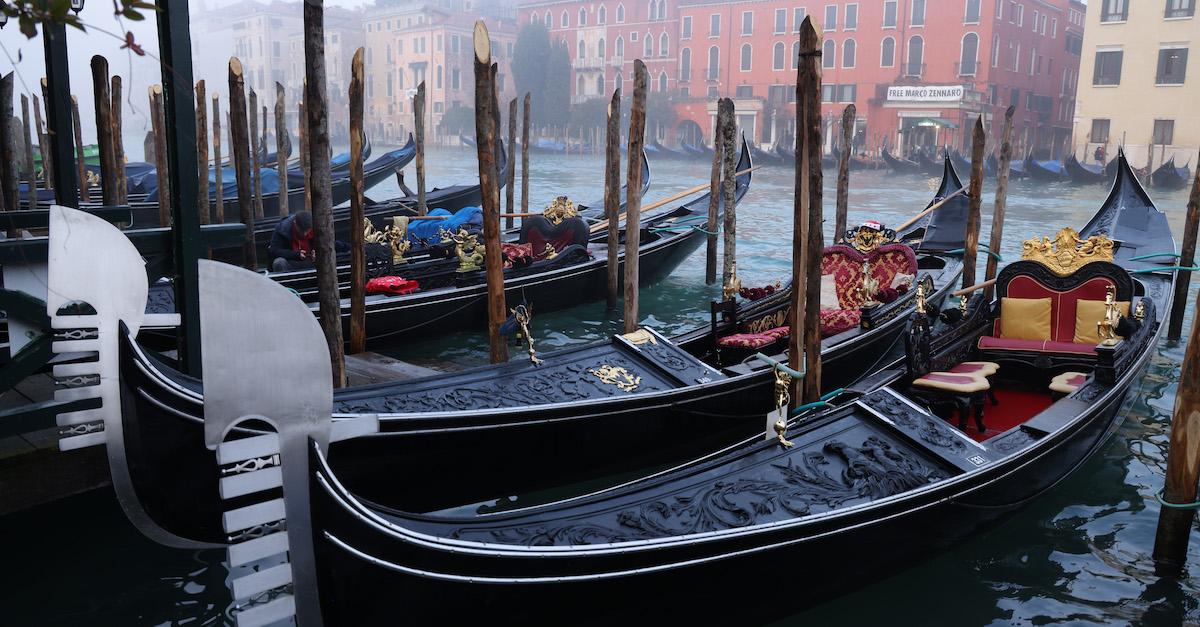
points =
(1179, 268)
(779, 365)
(1159, 497)
(1152, 255)
(983, 247)
(833, 394)
(807, 406)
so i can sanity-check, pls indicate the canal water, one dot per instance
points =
(1079, 554)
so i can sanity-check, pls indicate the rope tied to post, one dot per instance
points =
(1158, 496)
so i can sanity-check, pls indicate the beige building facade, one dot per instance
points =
(1135, 85)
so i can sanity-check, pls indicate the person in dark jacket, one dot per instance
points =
(291, 246)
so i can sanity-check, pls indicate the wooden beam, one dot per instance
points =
(358, 260)
(109, 193)
(1001, 201)
(728, 193)
(162, 170)
(1187, 258)
(240, 152)
(974, 198)
(282, 148)
(714, 196)
(255, 155)
(419, 124)
(118, 141)
(43, 145)
(612, 195)
(489, 187)
(633, 194)
(218, 207)
(10, 180)
(525, 154)
(30, 169)
(804, 344)
(509, 170)
(202, 152)
(843, 181)
(80, 160)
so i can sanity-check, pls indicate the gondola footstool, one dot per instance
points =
(965, 390)
(1067, 382)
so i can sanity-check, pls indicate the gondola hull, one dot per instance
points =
(1167, 176)
(1082, 174)
(1045, 171)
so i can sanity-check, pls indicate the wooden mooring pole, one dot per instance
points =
(1187, 259)
(202, 152)
(316, 101)
(728, 191)
(104, 132)
(255, 159)
(240, 152)
(282, 148)
(80, 160)
(119, 141)
(358, 260)
(633, 194)
(43, 145)
(612, 194)
(305, 170)
(9, 178)
(162, 170)
(30, 169)
(525, 154)
(843, 180)
(997, 238)
(219, 195)
(714, 194)
(509, 168)
(489, 188)
(419, 125)
(974, 198)
(804, 344)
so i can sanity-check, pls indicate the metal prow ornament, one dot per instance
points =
(1106, 328)
(523, 317)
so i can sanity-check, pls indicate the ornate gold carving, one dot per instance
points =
(869, 287)
(921, 298)
(1139, 312)
(639, 337)
(394, 236)
(617, 376)
(466, 248)
(767, 322)
(1106, 328)
(783, 398)
(560, 209)
(1067, 253)
(734, 285)
(521, 312)
(549, 253)
(868, 240)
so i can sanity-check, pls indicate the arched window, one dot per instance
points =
(600, 84)
(534, 18)
(747, 54)
(971, 14)
(602, 15)
(795, 55)
(887, 53)
(662, 82)
(968, 60)
(583, 17)
(566, 20)
(647, 46)
(778, 61)
(620, 52)
(600, 49)
(620, 14)
(849, 50)
(617, 81)
(685, 64)
(579, 85)
(662, 9)
(549, 20)
(829, 54)
(582, 50)
(916, 56)
(663, 47)
(714, 63)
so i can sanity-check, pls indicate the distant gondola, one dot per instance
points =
(1085, 173)
(1167, 176)
(1048, 171)
(699, 151)
(902, 166)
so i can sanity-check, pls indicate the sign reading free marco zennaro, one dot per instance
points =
(926, 93)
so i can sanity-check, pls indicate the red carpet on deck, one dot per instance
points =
(1016, 406)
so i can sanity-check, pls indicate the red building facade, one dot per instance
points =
(918, 71)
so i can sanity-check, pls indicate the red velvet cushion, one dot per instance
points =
(845, 264)
(747, 340)
(1062, 304)
(834, 321)
(890, 260)
(1004, 343)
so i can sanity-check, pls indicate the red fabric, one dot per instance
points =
(538, 241)
(890, 260)
(747, 340)
(1077, 380)
(1004, 343)
(301, 242)
(778, 332)
(834, 321)
(966, 368)
(946, 377)
(1062, 304)
(845, 264)
(392, 285)
(512, 252)
(1016, 408)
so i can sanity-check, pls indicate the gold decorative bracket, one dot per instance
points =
(523, 318)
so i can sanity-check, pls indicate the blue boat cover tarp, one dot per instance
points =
(427, 230)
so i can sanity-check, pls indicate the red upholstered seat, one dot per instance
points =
(1062, 316)
(988, 342)
(845, 264)
(834, 321)
(892, 259)
(747, 340)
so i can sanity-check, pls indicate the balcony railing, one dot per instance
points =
(1114, 16)
(588, 63)
(617, 60)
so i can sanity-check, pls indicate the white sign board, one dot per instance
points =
(926, 93)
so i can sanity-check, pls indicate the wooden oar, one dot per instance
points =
(972, 288)
(655, 205)
(503, 215)
(931, 209)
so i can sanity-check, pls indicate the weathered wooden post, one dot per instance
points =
(419, 124)
(358, 260)
(30, 169)
(202, 151)
(804, 345)
(633, 194)
(282, 148)
(158, 124)
(1149, 179)
(974, 197)
(843, 180)
(612, 193)
(728, 193)
(714, 193)
(43, 145)
(1187, 259)
(240, 152)
(255, 162)
(304, 161)
(9, 178)
(316, 102)
(104, 132)
(525, 156)
(118, 141)
(510, 171)
(997, 238)
(219, 194)
(489, 187)
(80, 159)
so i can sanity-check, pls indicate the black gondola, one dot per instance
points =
(1045, 171)
(902, 166)
(519, 417)
(657, 149)
(1167, 176)
(859, 489)
(1085, 173)
(699, 151)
